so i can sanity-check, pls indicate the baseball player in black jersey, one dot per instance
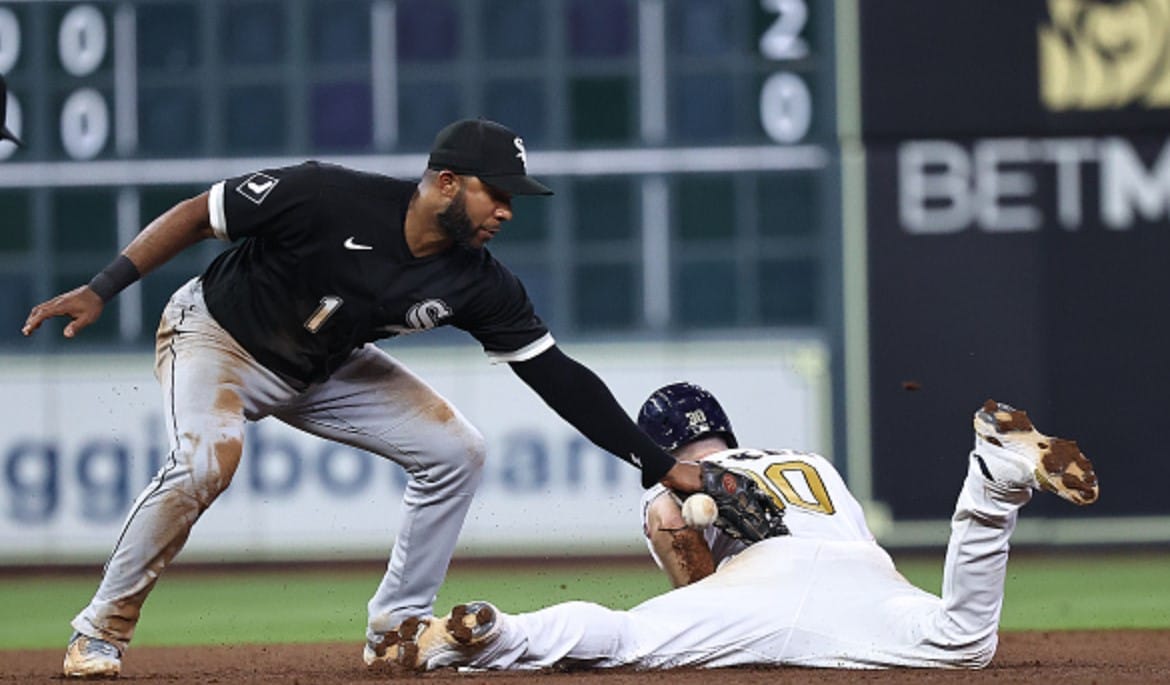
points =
(326, 261)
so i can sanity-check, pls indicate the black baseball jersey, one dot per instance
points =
(322, 267)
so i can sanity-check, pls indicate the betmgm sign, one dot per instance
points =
(1091, 57)
(1017, 228)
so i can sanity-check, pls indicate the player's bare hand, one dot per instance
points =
(684, 476)
(80, 304)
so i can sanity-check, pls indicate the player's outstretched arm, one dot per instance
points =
(175, 230)
(580, 397)
(682, 551)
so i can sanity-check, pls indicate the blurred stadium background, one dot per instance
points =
(853, 221)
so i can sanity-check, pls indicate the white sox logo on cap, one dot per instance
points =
(523, 154)
(488, 150)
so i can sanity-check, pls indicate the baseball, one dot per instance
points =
(699, 511)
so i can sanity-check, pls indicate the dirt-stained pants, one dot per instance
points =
(211, 387)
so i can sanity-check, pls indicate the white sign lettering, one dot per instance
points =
(994, 184)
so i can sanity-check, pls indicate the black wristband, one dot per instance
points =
(114, 278)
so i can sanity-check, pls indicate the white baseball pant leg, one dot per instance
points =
(798, 602)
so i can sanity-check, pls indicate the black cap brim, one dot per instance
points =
(5, 134)
(517, 185)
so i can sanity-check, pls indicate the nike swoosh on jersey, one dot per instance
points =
(351, 245)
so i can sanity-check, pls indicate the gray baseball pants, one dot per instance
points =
(211, 387)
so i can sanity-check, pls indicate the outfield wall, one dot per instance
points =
(82, 435)
(1013, 216)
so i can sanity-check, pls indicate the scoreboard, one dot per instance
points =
(126, 79)
(690, 142)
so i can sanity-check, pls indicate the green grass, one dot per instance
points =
(298, 606)
(1090, 591)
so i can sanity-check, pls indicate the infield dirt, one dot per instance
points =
(1069, 658)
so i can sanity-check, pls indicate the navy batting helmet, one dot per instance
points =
(683, 412)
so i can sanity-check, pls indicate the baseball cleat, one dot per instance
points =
(90, 657)
(1010, 449)
(383, 647)
(392, 647)
(421, 644)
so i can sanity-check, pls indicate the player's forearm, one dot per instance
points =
(682, 551)
(684, 554)
(180, 227)
(663, 544)
(581, 398)
(174, 231)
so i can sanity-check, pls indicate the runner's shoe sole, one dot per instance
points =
(419, 644)
(1057, 464)
(397, 644)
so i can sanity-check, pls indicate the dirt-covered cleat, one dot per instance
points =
(1010, 450)
(91, 657)
(453, 639)
(424, 643)
(385, 648)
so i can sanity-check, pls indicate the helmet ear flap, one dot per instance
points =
(679, 413)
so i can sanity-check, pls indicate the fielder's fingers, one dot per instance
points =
(80, 320)
(68, 304)
(35, 317)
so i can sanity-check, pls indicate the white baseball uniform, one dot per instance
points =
(825, 596)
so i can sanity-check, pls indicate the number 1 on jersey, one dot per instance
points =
(329, 304)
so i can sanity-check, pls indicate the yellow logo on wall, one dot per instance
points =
(1105, 55)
